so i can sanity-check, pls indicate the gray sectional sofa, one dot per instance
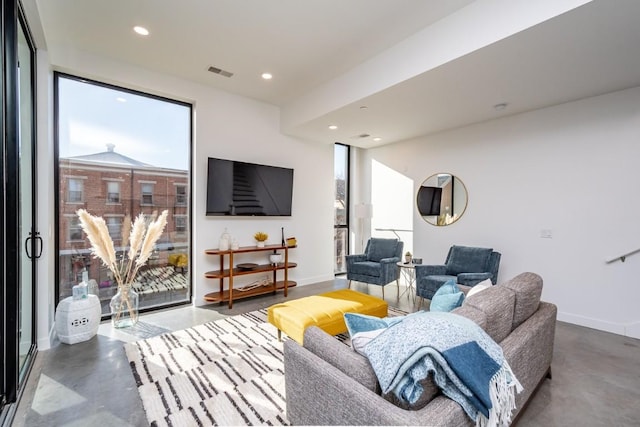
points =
(327, 383)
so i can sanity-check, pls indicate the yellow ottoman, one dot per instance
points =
(324, 311)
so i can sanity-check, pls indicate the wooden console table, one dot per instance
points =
(232, 271)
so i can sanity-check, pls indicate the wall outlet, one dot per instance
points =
(546, 233)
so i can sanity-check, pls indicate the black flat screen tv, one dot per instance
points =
(429, 199)
(248, 189)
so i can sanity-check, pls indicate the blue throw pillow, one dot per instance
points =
(363, 323)
(447, 297)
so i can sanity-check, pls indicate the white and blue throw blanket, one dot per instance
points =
(467, 365)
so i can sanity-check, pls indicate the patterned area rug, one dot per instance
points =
(227, 372)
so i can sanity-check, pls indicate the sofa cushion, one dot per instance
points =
(341, 356)
(465, 259)
(447, 297)
(474, 314)
(381, 248)
(429, 391)
(497, 303)
(528, 289)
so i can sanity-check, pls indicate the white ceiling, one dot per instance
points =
(308, 44)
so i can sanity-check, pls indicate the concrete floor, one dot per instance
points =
(596, 375)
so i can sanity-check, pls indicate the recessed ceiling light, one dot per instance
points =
(267, 76)
(500, 107)
(363, 107)
(141, 30)
(121, 99)
(333, 127)
(377, 138)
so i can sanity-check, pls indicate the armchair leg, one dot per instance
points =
(398, 287)
(383, 292)
(349, 284)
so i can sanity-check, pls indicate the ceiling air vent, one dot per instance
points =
(220, 71)
(362, 135)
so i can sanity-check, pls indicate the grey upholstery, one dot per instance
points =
(467, 265)
(329, 384)
(378, 264)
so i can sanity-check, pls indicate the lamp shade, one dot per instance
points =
(363, 210)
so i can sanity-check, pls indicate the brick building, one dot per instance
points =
(111, 185)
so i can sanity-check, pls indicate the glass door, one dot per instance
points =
(32, 243)
(21, 244)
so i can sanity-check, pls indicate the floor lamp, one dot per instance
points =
(363, 212)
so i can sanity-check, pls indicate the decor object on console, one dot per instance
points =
(225, 241)
(275, 257)
(378, 264)
(442, 199)
(260, 238)
(323, 373)
(140, 239)
(464, 264)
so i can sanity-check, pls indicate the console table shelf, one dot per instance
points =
(231, 294)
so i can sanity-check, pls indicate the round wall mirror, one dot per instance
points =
(442, 199)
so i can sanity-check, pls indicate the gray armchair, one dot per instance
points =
(378, 265)
(466, 265)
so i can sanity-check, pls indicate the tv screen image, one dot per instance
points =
(429, 200)
(248, 189)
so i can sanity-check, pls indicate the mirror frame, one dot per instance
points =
(456, 191)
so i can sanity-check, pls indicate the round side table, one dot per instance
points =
(408, 272)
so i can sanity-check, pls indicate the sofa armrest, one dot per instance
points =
(350, 259)
(471, 279)
(341, 356)
(320, 394)
(423, 270)
(531, 362)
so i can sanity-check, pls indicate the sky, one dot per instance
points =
(151, 130)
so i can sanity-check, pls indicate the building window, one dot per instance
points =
(147, 194)
(75, 231)
(75, 191)
(113, 192)
(181, 224)
(114, 225)
(181, 195)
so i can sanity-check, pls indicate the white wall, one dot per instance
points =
(225, 126)
(572, 169)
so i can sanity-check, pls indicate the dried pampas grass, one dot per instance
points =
(139, 236)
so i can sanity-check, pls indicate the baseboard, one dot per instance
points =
(45, 343)
(601, 325)
(312, 280)
(633, 330)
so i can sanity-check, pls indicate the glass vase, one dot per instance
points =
(124, 307)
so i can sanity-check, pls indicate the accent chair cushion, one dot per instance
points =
(366, 268)
(381, 249)
(447, 297)
(465, 259)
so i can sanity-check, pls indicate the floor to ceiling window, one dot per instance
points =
(122, 153)
(341, 207)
